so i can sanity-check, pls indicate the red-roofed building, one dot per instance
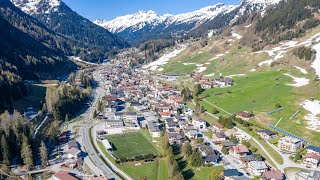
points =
(165, 114)
(239, 151)
(217, 127)
(311, 160)
(63, 175)
(244, 115)
(272, 175)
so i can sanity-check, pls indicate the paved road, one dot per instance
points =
(98, 158)
(95, 157)
(232, 163)
(278, 166)
(40, 125)
(108, 172)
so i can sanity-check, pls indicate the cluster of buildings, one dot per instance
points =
(70, 151)
(134, 101)
(253, 163)
(292, 145)
(207, 83)
(67, 159)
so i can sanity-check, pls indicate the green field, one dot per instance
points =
(35, 98)
(204, 172)
(259, 92)
(145, 170)
(163, 169)
(131, 144)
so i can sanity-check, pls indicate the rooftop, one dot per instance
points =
(274, 174)
(314, 148)
(240, 149)
(258, 165)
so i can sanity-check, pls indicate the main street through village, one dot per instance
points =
(97, 165)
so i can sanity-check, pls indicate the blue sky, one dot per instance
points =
(109, 9)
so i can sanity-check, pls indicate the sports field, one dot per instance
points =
(131, 144)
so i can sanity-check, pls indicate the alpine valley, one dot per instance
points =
(228, 91)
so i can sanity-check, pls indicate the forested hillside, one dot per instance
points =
(289, 19)
(28, 50)
(95, 43)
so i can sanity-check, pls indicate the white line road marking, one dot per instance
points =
(217, 107)
(278, 122)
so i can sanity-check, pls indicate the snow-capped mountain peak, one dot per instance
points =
(262, 2)
(35, 6)
(136, 21)
(202, 14)
(141, 19)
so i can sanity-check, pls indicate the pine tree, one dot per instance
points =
(214, 175)
(43, 154)
(224, 150)
(165, 144)
(26, 152)
(196, 159)
(100, 106)
(5, 123)
(72, 79)
(186, 149)
(233, 139)
(66, 119)
(17, 123)
(94, 114)
(5, 151)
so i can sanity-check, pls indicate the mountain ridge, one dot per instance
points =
(60, 18)
(132, 27)
(151, 16)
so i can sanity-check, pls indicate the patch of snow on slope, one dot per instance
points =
(201, 69)
(267, 62)
(316, 62)
(210, 33)
(248, 26)
(314, 108)
(217, 57)
(299, 82)
(236, 75)
(80, 60)
(236, 35)
(165, 58)
(278, 52)
(186, 64)
(209, 75)
(301, 70)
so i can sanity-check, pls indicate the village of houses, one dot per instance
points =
(133, 100)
